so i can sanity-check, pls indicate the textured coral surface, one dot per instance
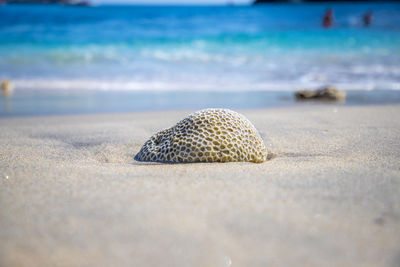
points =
(209, 135)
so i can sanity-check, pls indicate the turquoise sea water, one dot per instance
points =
(205, 49)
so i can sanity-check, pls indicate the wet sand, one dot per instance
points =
(72, 195)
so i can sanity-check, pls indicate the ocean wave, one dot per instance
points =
(196, 48)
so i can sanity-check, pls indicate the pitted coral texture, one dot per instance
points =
(209, 135)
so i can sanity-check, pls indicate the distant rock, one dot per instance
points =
(256, 2)
(268, 1)
(327, 93)
(62, 2)
(7, 88)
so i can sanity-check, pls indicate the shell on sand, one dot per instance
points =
(209, 135)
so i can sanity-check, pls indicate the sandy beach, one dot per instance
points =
(72, 195)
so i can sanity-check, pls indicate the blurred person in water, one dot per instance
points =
(327, 20)
(367, 18)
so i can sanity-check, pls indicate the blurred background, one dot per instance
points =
(84, 57)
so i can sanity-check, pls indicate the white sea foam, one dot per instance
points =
(130, 85)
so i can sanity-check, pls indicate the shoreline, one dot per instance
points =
(71, 193)
(75, 102)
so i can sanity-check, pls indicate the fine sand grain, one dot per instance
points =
(72, 195)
